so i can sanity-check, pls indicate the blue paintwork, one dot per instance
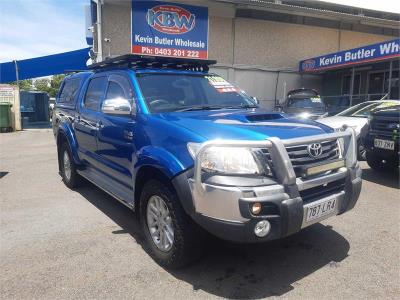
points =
(64, 116)
(159, 140)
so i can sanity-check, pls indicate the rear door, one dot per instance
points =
(86, 122)
(116, 133)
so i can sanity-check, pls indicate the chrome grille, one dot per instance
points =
(321, 191)
(301, 159)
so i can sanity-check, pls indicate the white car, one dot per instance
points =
(356, 117)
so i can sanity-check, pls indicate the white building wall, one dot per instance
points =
(250, 53)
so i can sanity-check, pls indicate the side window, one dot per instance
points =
(115, 91)
(346, 84)
(120, 87)
(94, 93)
(69, 91)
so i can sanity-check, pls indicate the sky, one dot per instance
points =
(31, 28)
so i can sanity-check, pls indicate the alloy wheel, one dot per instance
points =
(159, 223)
(67, 166)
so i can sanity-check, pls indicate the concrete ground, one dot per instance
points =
(58, 244)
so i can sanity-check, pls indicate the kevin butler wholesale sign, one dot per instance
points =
(370, 53)
(167, 29)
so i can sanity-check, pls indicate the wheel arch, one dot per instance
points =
(146, 173)
(178, 184)
(65, 134)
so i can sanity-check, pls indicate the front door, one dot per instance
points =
(86, 122)
(116, 134)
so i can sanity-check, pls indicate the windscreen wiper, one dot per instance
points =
(211, 107)
(243, 106)
(200, 107)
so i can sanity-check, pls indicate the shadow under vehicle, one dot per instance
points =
(238, 271)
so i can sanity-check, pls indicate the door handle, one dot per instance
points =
(99, 125)
(128, 134)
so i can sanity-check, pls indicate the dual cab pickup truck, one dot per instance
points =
(192, 154)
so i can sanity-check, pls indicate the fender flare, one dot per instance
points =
(161, 159)
(66, 130)
(167, 164)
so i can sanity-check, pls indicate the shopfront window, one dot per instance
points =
(347, 82)
(394, 84)
(376, 81)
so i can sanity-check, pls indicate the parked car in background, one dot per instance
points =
(52, 102)
(191, 154)
(382, 139)
(357, 117)
(304, 103)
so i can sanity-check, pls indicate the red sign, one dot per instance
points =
(170, 19)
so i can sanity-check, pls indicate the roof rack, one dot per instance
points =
(143, 61)
(74, 71)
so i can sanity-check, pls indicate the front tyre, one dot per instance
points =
(67, 167)
(172, 238)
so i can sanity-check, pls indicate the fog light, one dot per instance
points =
(262, 228)
(256, 208)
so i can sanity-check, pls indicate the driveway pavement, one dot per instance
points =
(58, 244)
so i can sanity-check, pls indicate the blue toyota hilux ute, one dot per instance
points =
(192, 154)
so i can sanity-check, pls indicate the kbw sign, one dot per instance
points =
(166, 29)
(370, 53)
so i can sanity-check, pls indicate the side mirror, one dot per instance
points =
(117, 106)
(279, 108)
(256, 101)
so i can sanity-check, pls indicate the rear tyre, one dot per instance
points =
(172, 238)
(68, 167)
(378, 163)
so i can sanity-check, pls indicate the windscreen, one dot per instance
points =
(180, 92)
(301, 94)
(365, 109)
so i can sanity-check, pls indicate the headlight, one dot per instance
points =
(230, 160)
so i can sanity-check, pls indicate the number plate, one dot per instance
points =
(321, 209)
(384, 144)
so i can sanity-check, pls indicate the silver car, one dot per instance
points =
(356, 117)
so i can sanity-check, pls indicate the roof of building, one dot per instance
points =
(324, 10)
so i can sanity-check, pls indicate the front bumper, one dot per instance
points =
(224, 209)
(385, 154)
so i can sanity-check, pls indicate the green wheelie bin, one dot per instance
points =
(5, 116)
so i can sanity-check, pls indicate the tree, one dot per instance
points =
(42, 85)
(50, 86)
(47, 85)
(24, 85)
(55, 84)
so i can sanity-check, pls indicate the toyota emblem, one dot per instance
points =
(314, 150)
